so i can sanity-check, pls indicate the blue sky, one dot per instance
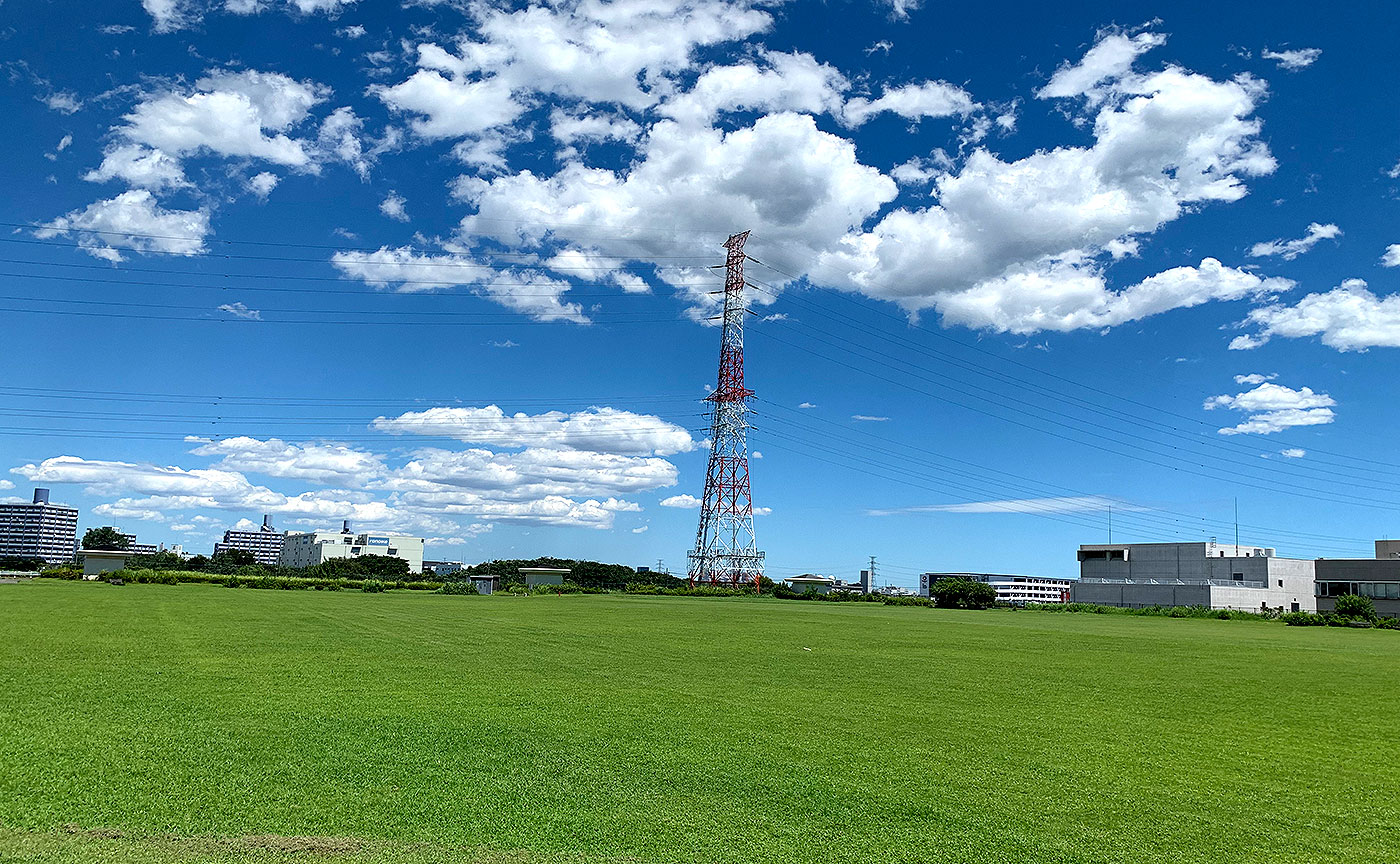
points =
(444, 268)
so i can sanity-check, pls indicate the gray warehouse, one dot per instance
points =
(1210, 574)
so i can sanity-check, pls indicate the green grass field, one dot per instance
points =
(195, 723)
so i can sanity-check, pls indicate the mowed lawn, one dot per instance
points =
(199, 723)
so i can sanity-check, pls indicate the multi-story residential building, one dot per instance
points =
(39, 530)
(1016, 590)
(311, 548)
(1215, 575)
(265, 544)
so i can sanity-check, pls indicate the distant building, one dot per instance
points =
(95, 562)
(1377, 578)
(311, 548)
(1016, 590)
(811, 582)
(39, 530)
(1209, 574)
(443, 568)
(543, 575)
(265, 544)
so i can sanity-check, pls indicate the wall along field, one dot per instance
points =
(196, 723)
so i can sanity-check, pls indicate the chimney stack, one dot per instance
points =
(267, 522)
(41, 496)
(345, 527)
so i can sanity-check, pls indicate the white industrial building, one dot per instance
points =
(311, 548)
(1015, 590)
(1210, 574)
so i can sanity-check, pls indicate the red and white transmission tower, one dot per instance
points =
(726, 551)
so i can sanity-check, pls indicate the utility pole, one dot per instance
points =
(872, 572)
(726, 550)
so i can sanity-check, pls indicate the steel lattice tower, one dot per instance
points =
(726, 551)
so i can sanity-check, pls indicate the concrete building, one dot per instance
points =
(1377, 578)
(1208, 574)
(1016, 590)
(39, 530)
(443, 568)
(265, 544)
(95, 562)
(811, 582)
(311, 548)
(544, 575)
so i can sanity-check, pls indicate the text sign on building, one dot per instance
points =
(377, 541)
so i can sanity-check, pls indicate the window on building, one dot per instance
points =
(1238, 577)
(1280, 583)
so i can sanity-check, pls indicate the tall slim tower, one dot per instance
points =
(726, 551)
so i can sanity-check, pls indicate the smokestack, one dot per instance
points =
(41, 496)
(267, 522)
(345, 527)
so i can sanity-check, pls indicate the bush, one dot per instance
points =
(372, 586)
(962, 594)
(1302, 619)
(1354, 607)
(458, 586)
(61, 573)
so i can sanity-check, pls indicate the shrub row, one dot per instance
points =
(1154, 611)
(282, 583)
(1332, 619)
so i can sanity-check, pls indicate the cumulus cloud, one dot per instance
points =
(1290, 249)
(132, 220)
(1293, 453)
(139, 166)
(1349, 318)
(1110, 59)
(1391, 258)
(1254, 378)
(913, 102)
(262, 184)
(682, 502)
(241, 310)
(598, 429)
(1274, 408)
(328, 463)
(246, 113)
(407, 270)
(784, 82)
(393, 206)
(1292, 61)
(1165, 142)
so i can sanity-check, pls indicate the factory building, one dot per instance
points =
(1210, 574)
(265, 544)
(311, 548)
(39, 530)
(1377, 578)
(1015, 590)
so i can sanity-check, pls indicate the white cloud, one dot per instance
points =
(526, 291)
(132, 220)
(228, 113)
(913, 101)
(593, 126)
(393, 206)
(262, 184)
(785, 82)
(807, 405)
(682, 502)
(598, 429)
(327, 463)
(868, 418)
(451, 107)
(1348, 318)
(1010, 244)
(1293, 453)
(1274, 408)
(241, 310)
(799, 188)
(1065, 504)
(1063, 295)
(63, 102)
(6, 484)
(1391, 258)
(641, 529)
(354, 31)
(139, 166)
(901, 8)
(170, 15)
(1292, 61)
(531, 474)
(1290, 249)
(1111, 58)
(1254, 378)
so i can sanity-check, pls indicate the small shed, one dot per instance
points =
(98, 561)
(485, 583)
(544, 575)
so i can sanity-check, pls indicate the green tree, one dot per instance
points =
(1354, 606)
(962, 594)
(104, 538)
(233, 558)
